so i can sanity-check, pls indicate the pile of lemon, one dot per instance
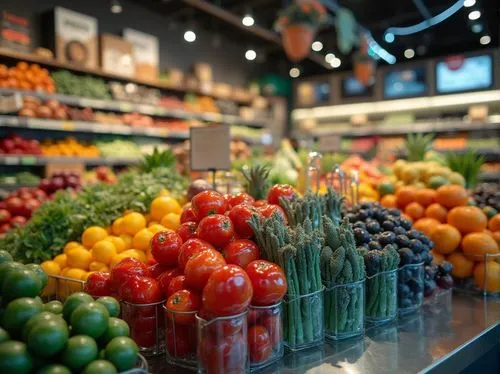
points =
(100, 248)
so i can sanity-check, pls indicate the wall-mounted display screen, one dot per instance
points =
(352, 88)
(460, 74)
(313, 93)
(405, 83)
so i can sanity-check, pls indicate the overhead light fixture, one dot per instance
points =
(477, 28)
(329, 57)
(248, 20)
(294, 72)
(250, 55)
(469, 3)
(409, 53)
(389, 37)
(475, 14)
(336, 62)
(485, 39)
(116, 7)
(317, 46)
(189, 36)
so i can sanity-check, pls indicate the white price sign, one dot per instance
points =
(210, 148)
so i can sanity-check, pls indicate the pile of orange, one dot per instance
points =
(24, 76)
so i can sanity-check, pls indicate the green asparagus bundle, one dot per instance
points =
(342, 268)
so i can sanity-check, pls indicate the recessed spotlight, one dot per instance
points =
(336, 62)
(469, 3)
(389, 37)
(116, 7)
(475, 14)
(329, 57)
(477, 28)
(189, 36)
(294, 72)
(485, 39)
(317, 46)
(247, 20)
(409, 53)
(250, 55)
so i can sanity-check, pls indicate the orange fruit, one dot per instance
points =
(163, 205)
(388, 201)
(437, 211)
(142, 239)
(446, 238)
(79, 258)
(492, 282)
(462, 266)
(494, 223)
(92, 235)
(479, 244)
(496, 236)
(103, 251)
(467, 219)
(426, 197)
(437, 257)
(133, 223)
(414, 210)
(426, 225)
(406, 195)
(452, 195)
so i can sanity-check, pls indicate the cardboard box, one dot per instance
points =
(16, 31)
(146, 54)
(117, 55)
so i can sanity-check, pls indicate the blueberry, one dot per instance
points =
(402, 241)
(351, 217)
(403, 290)
(406, 224)
(425, 239)
(362, 250)
(405, 303)
(366, 205)
(418, 297)
(414, 234)
(387, 237)
(416, 285)
(445, 267)
(373, 245)
(417, 259)
(373, 227)
(416, 246)
(399, 230)
(395, 212)
(429, 287)
(431, 270)
(362, 215)
(428, 258)
(406, 256)
(359, 224)
(361, 236)
(388, 225)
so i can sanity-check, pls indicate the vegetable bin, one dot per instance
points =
(180, 338)
(410, 287)
(381, 297)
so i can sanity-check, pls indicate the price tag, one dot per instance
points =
(68, 126)
(11, 160)
(329, 143)
(28, 160)
(210, 148)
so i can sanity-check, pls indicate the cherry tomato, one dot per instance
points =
(208, 202)
(273, 325)
(165, 246)
(125, 269)
(259, 203)
(221, 327)
(180, 303)
(223, 355)
(188, 215)
(190, 248)
(187, 230)
(259, 344)
(181, 341)
(176, 284)
(280, 190)
(268, 282)
(241, 252)
(217, 229)
(254, 315)
(141, 290)
(144, 330)
(268, 210)
(228, 291)
(199, 268)
(166, 277)
(98, 284)
(156, 269)
(240, 215)
(240, 198)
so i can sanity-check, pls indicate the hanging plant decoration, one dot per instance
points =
(298, 24)
(347, 30)
(364, 65)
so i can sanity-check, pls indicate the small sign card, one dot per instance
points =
(329, 143)
(210, 148)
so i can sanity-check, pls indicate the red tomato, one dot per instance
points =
(190, 248)
(280, 190)
(165, 246)
(254, 315)
(141, 290)
(259, 203)
(126, 268)
(241, 252)
(228, 291)
(180, 303)
(151, 261)
(240, 215)
(208, 202)
(187, 230)
(181, 341)
(156, 269)
(199, 268)
(177, 283)
(217, 229)
(268, 282)
(4, 216)
(98, 284)
(223, 355)
(166, 277)
(144, 330)
(259, 344)
(240, 198)
(273, 325)
(188, 215)
(268, 210)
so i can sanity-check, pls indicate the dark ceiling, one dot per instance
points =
(454, 35)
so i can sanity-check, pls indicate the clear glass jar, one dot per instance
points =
(344, 310)
(59, 287)
(303, 321)
(264, 322)
(147, 326)
(485, 278)
(410, 287)
(180, 338)
(223, 344)
(381, 297)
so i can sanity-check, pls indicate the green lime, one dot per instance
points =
(73, 301)
(4, 335)
(21, 283)
(490, 211)
(15, 358)
(42, 275)
(111, 304)
(54, 306)
(100, 367)
(90, 319)
(5, 257)
(54, 369)
(37, 319)
(6, 267)
(48, 338)
(386, 188)
(18, 312)
(116, 327)
(122, 352)
(80, 351)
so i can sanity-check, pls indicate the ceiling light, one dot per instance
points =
(475, 14)
(247, 20)
(317, 46)
(485, 39)
(389, 37)
(477, 28)
(294, 72)
(336, 62)
(189, 36)
(469, 3)
(409, 53)
(329, 57)
(116, 7)
(250, 55)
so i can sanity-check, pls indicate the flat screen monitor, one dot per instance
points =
(353, 88)
(464, 74)
(405, 83)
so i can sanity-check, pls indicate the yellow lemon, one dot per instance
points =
(73, 286)
(142, 239)
(103, 251)
(118, 242)
(97, 266)
(71, 245)
(62, 260)
(135, 253)
(51, 267)
(171, 221)
(117, 226)
(152, 223)
(164, 205)
(92, 235)
(155, 228)
(64, 271)
(133, 223)
(79, 258)
(116, 259)
(127, 239)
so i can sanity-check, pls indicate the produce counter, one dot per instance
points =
(447, 335)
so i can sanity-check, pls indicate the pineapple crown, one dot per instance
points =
(468, 164)
(257, 181)
(157, 159)
(418, 145)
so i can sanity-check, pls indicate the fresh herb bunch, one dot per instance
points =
(311, 13)
(468, 164)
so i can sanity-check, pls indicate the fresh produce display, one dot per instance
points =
(17, 208)
(24, 76)
(69, 147)
(68, 83)
(17, 145)
(109, 147)
(468, 164)
(99, 174)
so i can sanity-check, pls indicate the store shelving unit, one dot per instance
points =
(31, 160)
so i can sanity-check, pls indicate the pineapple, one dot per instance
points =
(257, 181)
(418, 145)
(157, 159)
(468, 164)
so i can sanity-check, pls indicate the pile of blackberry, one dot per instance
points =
(487, 195)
